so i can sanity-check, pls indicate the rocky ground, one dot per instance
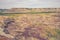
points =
(30, 27)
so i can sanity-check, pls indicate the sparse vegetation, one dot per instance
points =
(30, 26)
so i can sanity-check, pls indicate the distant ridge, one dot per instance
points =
(27, 10)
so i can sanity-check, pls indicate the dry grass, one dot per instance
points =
(46, 22)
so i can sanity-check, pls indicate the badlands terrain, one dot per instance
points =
(38, 26)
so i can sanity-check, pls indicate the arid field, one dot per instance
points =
(41, 26)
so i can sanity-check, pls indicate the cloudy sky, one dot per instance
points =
(30, 3)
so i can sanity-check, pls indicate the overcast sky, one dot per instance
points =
(30, 3)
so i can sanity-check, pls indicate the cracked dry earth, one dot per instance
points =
(30, 27)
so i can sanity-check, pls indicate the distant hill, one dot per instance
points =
(2, 10)
(26, 10)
